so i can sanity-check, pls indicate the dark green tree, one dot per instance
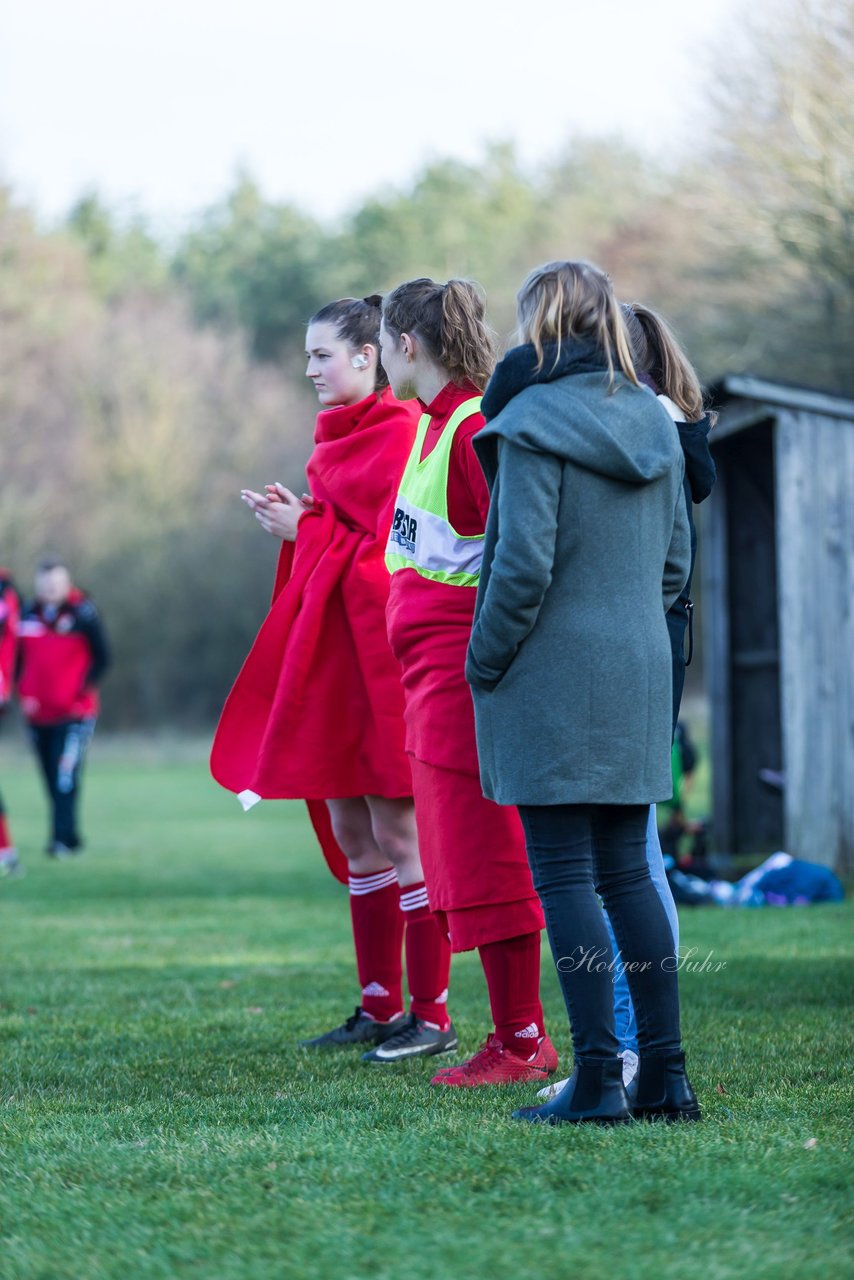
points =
(255, 265)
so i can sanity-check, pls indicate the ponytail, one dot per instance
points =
(468, 344)
(658, 354)
(450, 321)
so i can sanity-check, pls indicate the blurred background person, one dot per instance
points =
(10, 609)
(62, 657)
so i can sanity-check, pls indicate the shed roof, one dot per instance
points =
(745, 400)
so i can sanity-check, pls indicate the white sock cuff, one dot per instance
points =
(360, 885)
(414, 899)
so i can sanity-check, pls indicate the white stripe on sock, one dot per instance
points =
(414, 900)
(360, 885)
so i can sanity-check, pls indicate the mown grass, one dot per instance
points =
(157, 1119)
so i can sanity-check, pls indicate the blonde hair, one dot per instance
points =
(450, 320)
(564, 300)
(657, 353)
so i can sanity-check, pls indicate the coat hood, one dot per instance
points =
(568, 409)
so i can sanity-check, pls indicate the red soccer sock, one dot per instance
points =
(378, 936)
(5, 835)
(512, 968)
(428, 957)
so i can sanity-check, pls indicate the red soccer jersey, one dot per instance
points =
(10, 612)
(468, 495)
(430, 622)
(58, 661)
(473, 851)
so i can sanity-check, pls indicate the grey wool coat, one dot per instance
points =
(587, 545)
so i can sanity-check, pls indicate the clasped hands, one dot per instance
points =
(278, 510)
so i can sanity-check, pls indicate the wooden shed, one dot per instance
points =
(777, 555)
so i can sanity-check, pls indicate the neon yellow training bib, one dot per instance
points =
(422, 537)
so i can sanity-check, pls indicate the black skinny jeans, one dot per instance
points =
(575, 851)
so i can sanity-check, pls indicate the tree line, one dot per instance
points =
(142, 383)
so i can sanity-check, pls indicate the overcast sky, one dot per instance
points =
(158, 104)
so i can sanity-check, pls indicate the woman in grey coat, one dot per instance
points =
(587, 546)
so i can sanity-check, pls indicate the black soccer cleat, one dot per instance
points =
(414, 1039)
(358, 1029)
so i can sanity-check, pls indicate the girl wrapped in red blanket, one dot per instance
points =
(316, 712)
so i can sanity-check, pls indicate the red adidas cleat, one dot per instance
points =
(549, 1055)
(494, 1064)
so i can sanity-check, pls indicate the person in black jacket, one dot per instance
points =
(664, 368)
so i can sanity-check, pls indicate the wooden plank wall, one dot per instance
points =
(814, 462)
(712, 530)
(758, 824)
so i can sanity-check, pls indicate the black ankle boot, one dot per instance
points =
(664, 1090)
(593, 1094)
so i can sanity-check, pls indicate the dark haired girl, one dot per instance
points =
(317, 711)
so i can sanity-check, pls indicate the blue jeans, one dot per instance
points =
(624, 1014)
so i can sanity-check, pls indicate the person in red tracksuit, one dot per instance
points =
(61, 658)
(10, 609)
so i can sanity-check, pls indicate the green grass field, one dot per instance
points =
(157, 1120)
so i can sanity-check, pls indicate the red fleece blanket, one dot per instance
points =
(316, 712)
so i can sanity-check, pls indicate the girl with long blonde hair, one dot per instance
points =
(586, 548)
